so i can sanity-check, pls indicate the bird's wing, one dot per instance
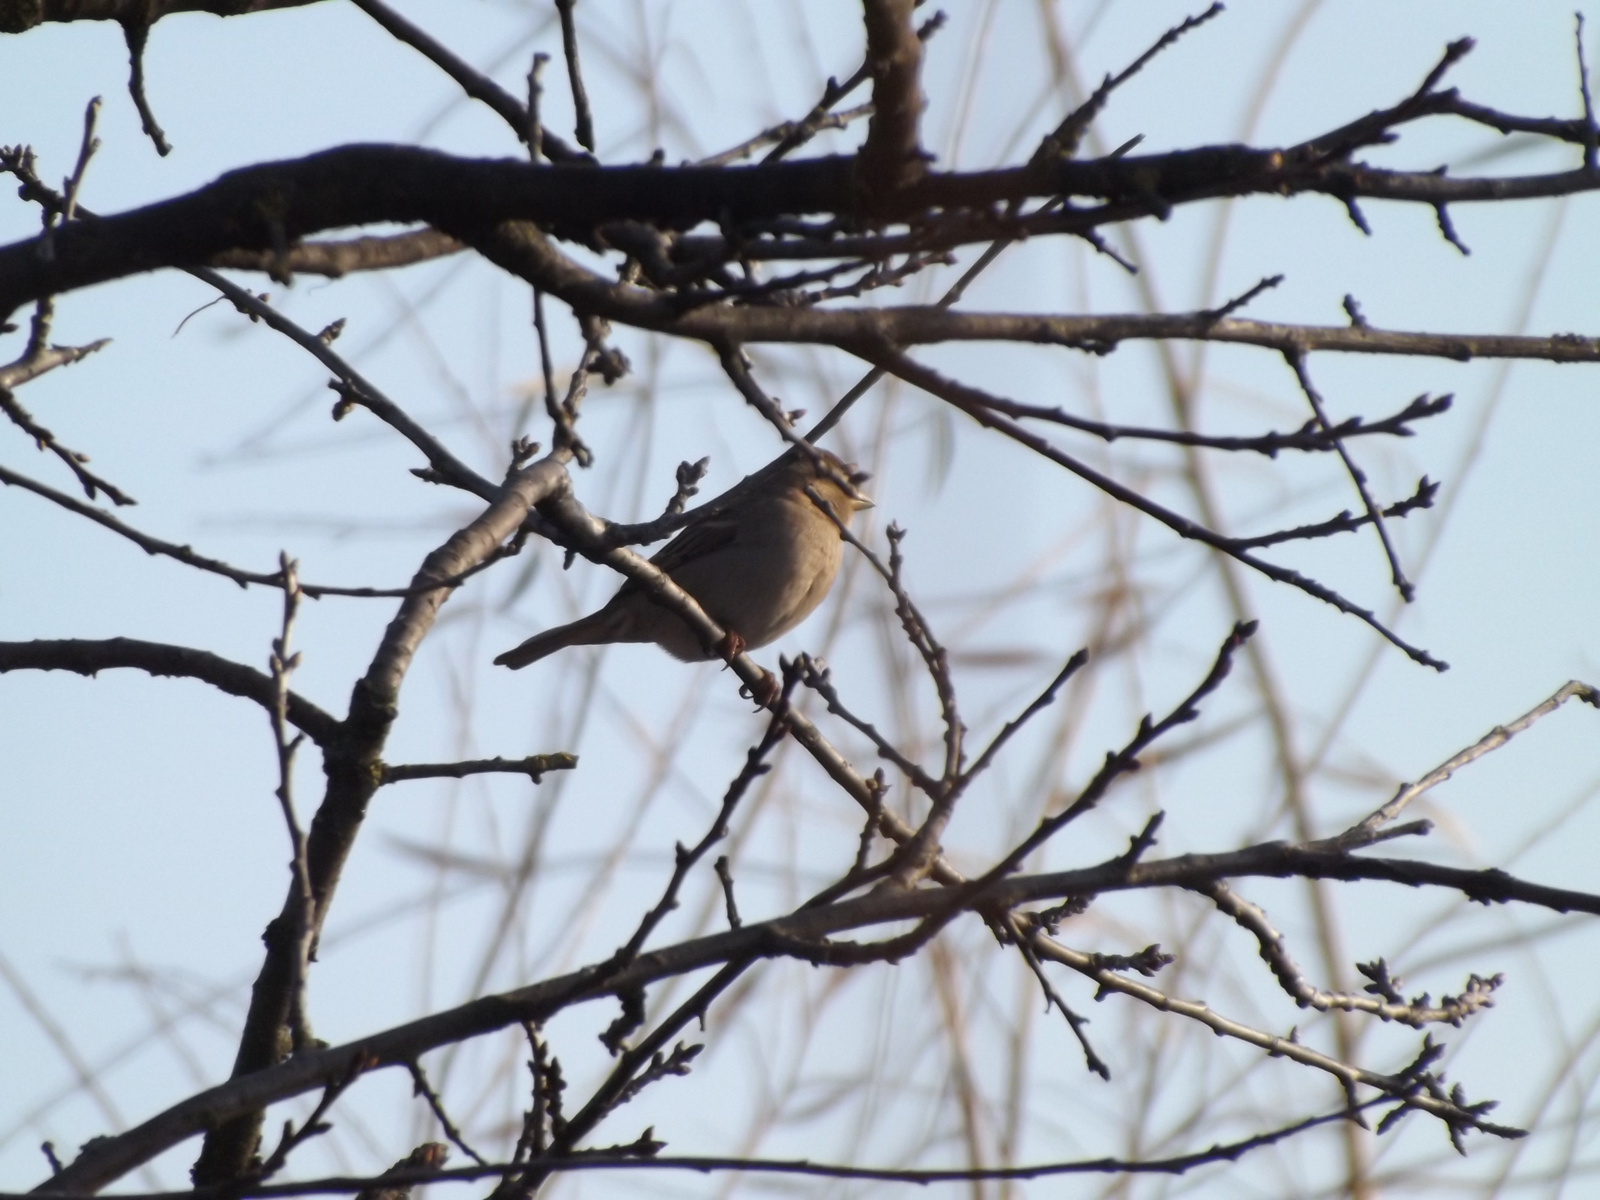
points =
(697, 541)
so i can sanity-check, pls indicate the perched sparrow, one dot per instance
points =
(758, 567)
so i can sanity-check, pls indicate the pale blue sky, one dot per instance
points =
(140, 824)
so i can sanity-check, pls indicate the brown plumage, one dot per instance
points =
(758, 567)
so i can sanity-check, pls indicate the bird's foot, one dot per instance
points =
(765, 690)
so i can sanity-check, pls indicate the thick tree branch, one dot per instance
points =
(522, 249)
(17, 16)
(355, 771)
(271, 206)
(891, 159)
(334, 259)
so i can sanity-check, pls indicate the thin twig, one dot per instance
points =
(1591, 131)
(1309, 438)
(951, 297)
(313, 1126)
(302, 935)
(800, 1168)
(1244, 298)
(534, 134)
(45, 440)
(244, 578)
(1063, 141)
(1345, 522)
(617, 1087)
(737, 367)
(1126, 759)
(976, 403)
(869, 827)
(86, 149)
(1075, 1022)
(563, 412)
(477, 85)
(1383, 1001)
(755, 766)
(934, 656)
(583, 120)
(816, 676)
(533, 766)
(1488, 743)
(136, 32)
(420, 1087)
(786, 131)
(1042, 701)
(725, 877)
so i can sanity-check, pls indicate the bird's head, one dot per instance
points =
(831, 478)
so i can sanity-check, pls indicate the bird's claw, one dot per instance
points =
(765, 690)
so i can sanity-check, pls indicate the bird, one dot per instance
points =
(759, 562)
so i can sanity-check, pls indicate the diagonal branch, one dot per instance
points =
(1487, 744)
(354, 772)
(92, 484)
(1126, 759)
(46, 358)
(1345, 522)
(1064, 139)
(974, 403)
(477, 85)
(1297, 363)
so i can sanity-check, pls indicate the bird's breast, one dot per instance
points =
(764, 586)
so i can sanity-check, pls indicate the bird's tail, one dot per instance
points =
(586, 631)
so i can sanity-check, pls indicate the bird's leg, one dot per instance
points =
(763, 692)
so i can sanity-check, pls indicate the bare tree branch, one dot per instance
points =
(533, 766)
(891, 159)
(83, 656)
(271, 206)
(354, 774)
